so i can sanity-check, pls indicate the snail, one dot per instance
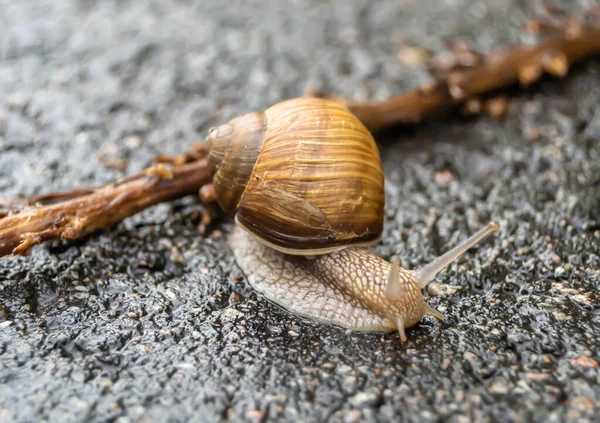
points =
(305, 184)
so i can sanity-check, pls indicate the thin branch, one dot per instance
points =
(73, 214)
(45, 199)
(523, 64)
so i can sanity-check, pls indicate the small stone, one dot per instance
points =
(582, 299)
(280, 398)
(538, 376)
(497, 107)
(582, 403)
(559, 271)
(500, 387)
(427, 415)
(365, 370)
(343, 369)
(584, 361)
(409, 55)
(348, 385)
(254, 415)
(231, 313)
(364, 399)
(533, 133)
(524, 386)
(176, 256)
(353, 416)
(134, 141)
(443, 178)
(434, 289)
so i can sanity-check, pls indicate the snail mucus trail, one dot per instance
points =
(305, 184)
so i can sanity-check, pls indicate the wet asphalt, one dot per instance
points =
(150, 321)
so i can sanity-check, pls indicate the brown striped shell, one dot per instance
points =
(304, 176)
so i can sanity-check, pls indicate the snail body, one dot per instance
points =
(304, 176)
(351, 288)
(305, 184)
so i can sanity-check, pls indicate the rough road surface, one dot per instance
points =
(152, 322)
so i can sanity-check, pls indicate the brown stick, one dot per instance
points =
(45, 199)
(105, 206)
(522, 65)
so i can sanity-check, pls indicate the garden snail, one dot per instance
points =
(305, 183)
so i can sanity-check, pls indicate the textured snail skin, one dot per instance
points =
(304, 176)
(344, 288)
(351, 288)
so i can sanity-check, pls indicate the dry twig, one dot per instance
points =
(523, 64)
(73, 214)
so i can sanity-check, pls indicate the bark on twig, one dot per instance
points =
(523, 64)
(45, 199)
(73, 214)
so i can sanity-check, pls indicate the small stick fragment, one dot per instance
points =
(497, 107)
(529, 73)
(44, 199)
(207, 194)
(199, 151)
(160, 170)
(76, 215)
(112, 163)
(556, 63)
(207, 215)
(472, 107)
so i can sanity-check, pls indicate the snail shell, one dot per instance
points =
(304, 176)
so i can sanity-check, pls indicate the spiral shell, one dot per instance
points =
(304, 176)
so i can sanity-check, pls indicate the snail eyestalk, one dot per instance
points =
(430, 311)
(393, 288)
(426, 274)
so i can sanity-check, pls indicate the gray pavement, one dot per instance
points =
(152, 322)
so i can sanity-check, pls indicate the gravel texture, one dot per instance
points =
(152, 322)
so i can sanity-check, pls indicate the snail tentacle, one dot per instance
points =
(426, 274)
(401, 331)
(430, 311)
(393, 288)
